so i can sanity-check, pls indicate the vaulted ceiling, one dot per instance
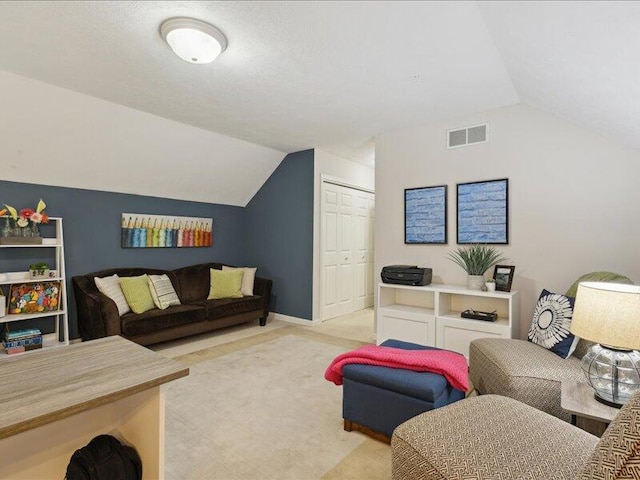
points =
(300, 75)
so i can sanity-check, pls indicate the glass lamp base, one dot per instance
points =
(607, 402)
(613, 373)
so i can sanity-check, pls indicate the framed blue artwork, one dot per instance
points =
(425, 215)
(483, 212)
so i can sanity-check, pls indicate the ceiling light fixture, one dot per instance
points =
(193, 40)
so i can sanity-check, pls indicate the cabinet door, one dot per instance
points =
(456, 335)
(395, 326)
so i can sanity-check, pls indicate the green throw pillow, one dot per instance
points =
(136, 291)
(225, 284)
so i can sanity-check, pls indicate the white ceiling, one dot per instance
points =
(332, 75)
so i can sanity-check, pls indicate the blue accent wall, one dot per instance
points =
(273, 232)
(279, 234)
(92, 220)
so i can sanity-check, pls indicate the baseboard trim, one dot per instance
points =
(289, 319)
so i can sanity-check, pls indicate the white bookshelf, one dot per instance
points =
(60, 336)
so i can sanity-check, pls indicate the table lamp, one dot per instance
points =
(609, 314)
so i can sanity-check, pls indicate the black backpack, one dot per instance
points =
(105, 458)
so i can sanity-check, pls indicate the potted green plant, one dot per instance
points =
(39, 270)
(491, 285)
(476, 259)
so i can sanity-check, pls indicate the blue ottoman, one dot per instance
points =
(377, 399)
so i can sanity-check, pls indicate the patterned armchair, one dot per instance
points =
(492, 437)
(525, 371)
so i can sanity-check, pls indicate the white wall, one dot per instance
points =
(574, 198)
(53, 136)
(349, 172)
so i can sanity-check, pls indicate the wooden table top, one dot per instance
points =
(577, 399)
(48, 385)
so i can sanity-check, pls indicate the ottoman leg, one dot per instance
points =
(350, 426)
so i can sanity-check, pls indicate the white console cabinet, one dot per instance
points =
(430, 315)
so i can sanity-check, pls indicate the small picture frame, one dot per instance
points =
(503, 275)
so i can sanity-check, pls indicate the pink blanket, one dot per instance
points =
(451, 365)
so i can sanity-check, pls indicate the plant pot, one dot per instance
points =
(475, 282)
(491, 286)
(35, 274)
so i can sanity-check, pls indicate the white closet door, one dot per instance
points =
(346, 230)
(370, 229)
(361, 223)
(330, 242)
(347, 250)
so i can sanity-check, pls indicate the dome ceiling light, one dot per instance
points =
(194, 41)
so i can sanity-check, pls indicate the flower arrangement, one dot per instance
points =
(27, 214)
(24, 223)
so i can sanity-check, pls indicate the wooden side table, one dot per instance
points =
(586, 412)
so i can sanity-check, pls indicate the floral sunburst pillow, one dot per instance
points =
(551, 324)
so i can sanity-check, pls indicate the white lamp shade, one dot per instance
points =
(608, 313)
(192, 40)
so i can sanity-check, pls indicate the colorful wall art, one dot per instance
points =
(483, 212)
(141, 230)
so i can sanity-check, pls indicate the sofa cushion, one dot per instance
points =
(225, 284)
(162, 291)
(551, 323)
(193, 281)
(248, 279)
(154, 320)
(488, 437)
(110, 286)
(522, 370)
(225, 307)
(136, 291)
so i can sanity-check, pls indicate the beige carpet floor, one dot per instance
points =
(259, 408)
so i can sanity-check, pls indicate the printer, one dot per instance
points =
(406, 275)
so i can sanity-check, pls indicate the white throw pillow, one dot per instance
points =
(110, 286)
(162, 291)
(248, 279)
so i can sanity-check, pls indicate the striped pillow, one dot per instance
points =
(162, 291)
(110, 286)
